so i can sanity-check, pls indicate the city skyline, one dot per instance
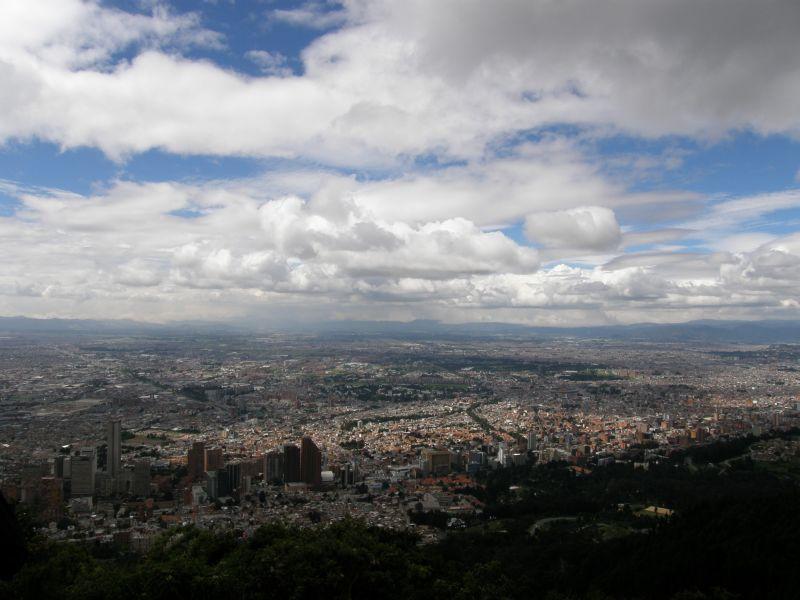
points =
(460, 161)
(119, 437)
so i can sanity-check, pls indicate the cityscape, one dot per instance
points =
(115, 439)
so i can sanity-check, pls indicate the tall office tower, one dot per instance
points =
(212, 484)
(141, 478)
(84, 468)
(197, 459)
(531, 440)
(102, 455)
(273, 466)
(214, 460)
(114, 452)
(291, 463)
(349, 473)
(234, 471)
(503, 455)
(66, 467)
(104, 484)
(61, 466)
(435, 462)
(310, 462)
(251, 467)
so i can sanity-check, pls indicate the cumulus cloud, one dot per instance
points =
(400, 79)
(76, 35)
(131, 248)
(585, 228)
(133, 236)
(433, 156)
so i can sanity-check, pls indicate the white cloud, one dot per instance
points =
(270, 63)
(401, 79)
(314, 15)
(730, 213)
(126, 252)
(655, 236)
(76, 34)
(743, 242)
(585, 228)
(644, 65)
(131, 237)
(399, 89)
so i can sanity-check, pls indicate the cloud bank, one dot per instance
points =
(425, 170)
(178, 248)
(401, 79)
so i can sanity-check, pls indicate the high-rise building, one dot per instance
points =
(61, 466)
(273, 466)
(212, 484)
(141, 478)
(503, 455)
(222, 479)
(234, 471)
(104, 484)
(477, 457)
(124, 483)
(197, 459)
(114, 445)
(346, 475)
(310, 462)
(84, 468)
(436, 462)
(214, 459)
(64, 466)
(350, 473)
(252, 467)
(291, 463)
(531, 441)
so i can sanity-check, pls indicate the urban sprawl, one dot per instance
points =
(113, 439)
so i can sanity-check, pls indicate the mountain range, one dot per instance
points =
(705, 331)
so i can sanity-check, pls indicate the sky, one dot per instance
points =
(568, 163)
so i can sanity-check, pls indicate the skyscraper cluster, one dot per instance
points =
(294, 464)
(81, 475)
(291, 464)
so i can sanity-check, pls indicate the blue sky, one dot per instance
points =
(258, 161)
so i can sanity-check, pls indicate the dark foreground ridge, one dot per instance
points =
(549, 531)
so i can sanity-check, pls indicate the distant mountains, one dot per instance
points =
(706, 331)
(107, 327)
